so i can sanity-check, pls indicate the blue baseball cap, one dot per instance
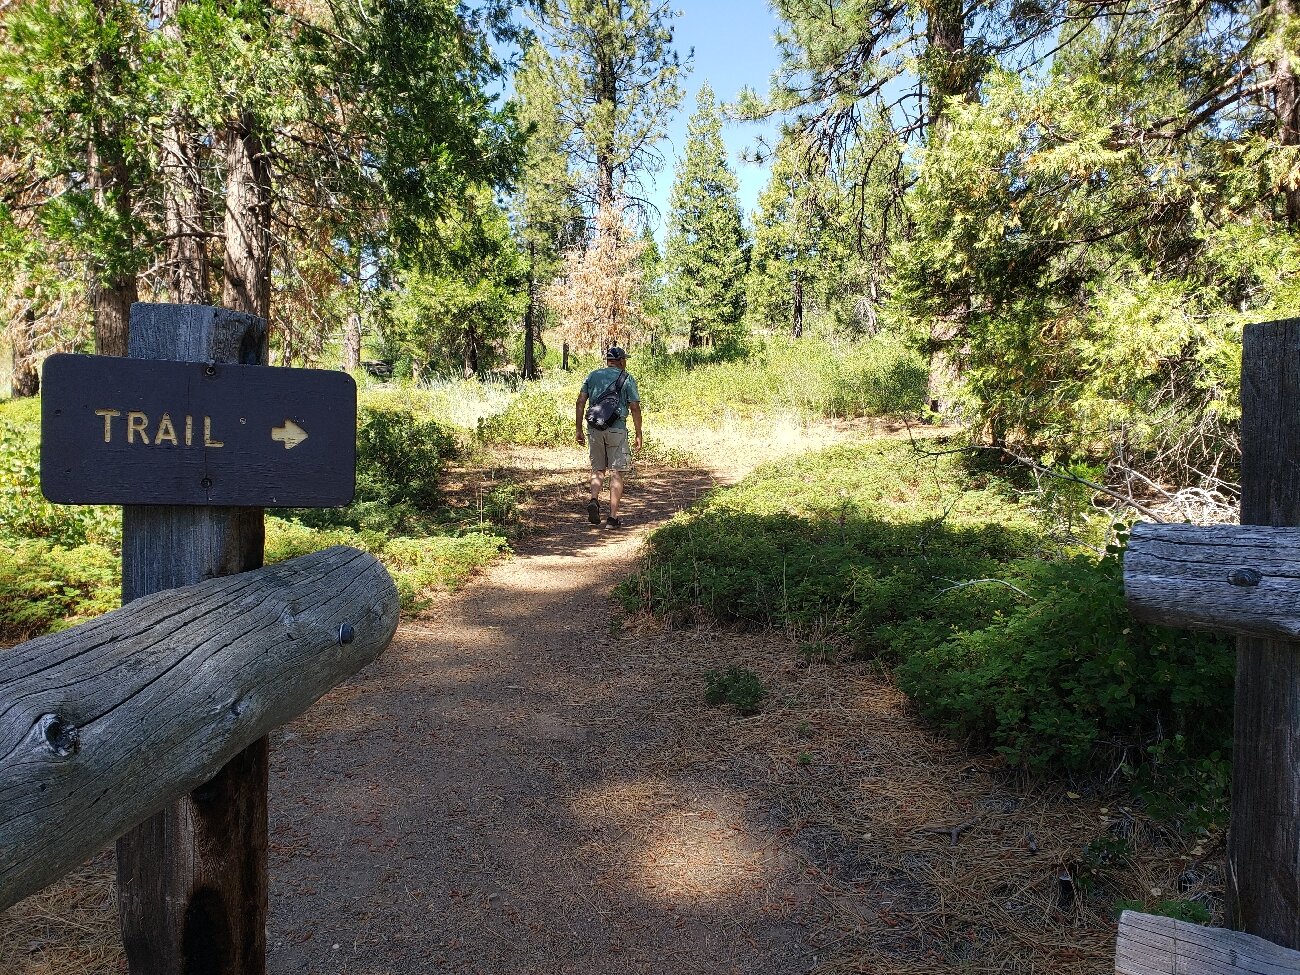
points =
(616, 353)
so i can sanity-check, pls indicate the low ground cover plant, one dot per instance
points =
(61, 564)
(813, 379)
(940, 565)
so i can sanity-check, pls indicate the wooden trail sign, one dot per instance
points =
(135, 431)
(1246, 580)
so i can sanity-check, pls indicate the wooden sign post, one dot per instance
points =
(192, 886)
(192, 433)
(1246, 580)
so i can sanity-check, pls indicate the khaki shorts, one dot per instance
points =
(608, 449)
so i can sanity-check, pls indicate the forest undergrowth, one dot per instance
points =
(990, 593)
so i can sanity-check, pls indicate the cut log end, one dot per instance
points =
(1238, 579)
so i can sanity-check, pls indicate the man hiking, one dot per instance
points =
(612, 394)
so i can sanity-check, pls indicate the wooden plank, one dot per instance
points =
(193, 879)
(105, 723)
(1264, 835)
(1151, 945)
(1241, 579)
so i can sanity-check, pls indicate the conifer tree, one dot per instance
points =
(615, 74)
(456, 310)
(546, 212)
(597, 297)
(707, 247)
(788, 241)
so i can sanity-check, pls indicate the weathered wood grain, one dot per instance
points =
(104, 724)
(1264, 831)
(1150, 945)
(192, 880)
(1240, 579)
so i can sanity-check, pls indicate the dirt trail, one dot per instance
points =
(491, 796)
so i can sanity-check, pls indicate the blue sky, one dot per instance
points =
(733, 48)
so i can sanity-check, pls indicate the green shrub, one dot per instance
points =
(1068, 679)
(400, 458)
(419, 565)
(24, 512)
(534, 418)
(288, 539)
(737, 686)
(45, 587)
(942, 566)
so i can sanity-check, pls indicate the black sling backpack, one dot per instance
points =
(603, 410)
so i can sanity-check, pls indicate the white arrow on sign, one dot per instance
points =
(290, 434)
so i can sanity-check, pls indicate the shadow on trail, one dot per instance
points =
(519, 786)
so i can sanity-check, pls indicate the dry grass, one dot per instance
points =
(925, 858)
(70, 928)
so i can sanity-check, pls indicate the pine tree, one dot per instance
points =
(615, 75)
(788, 257)
(545, 208)
(597, 297)
(707, 248)
(456, 310)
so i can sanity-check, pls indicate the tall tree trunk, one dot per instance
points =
(247, 283)
(352, 330)
(1286, 101)
(352, 341)
(796, 297)
(947, 58)
(26, 378)
(606, 107)
(951, 78)
(111, 290)
(185, 272)
(694, 339)
(564, 357)
(530, 316)
(469, 366)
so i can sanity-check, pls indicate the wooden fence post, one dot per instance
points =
(192, 883)
(1264, 834)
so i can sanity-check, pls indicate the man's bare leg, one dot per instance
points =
(615, 492)
(593, 506)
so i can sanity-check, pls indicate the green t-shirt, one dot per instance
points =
(604, 378)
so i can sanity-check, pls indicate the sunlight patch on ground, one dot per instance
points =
(703, 856)
(708, 852)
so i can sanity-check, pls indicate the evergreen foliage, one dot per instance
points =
(615, 77)
(707, 251)
(459, 301)
(1074, 241)
(546, 210)
(115, 113)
